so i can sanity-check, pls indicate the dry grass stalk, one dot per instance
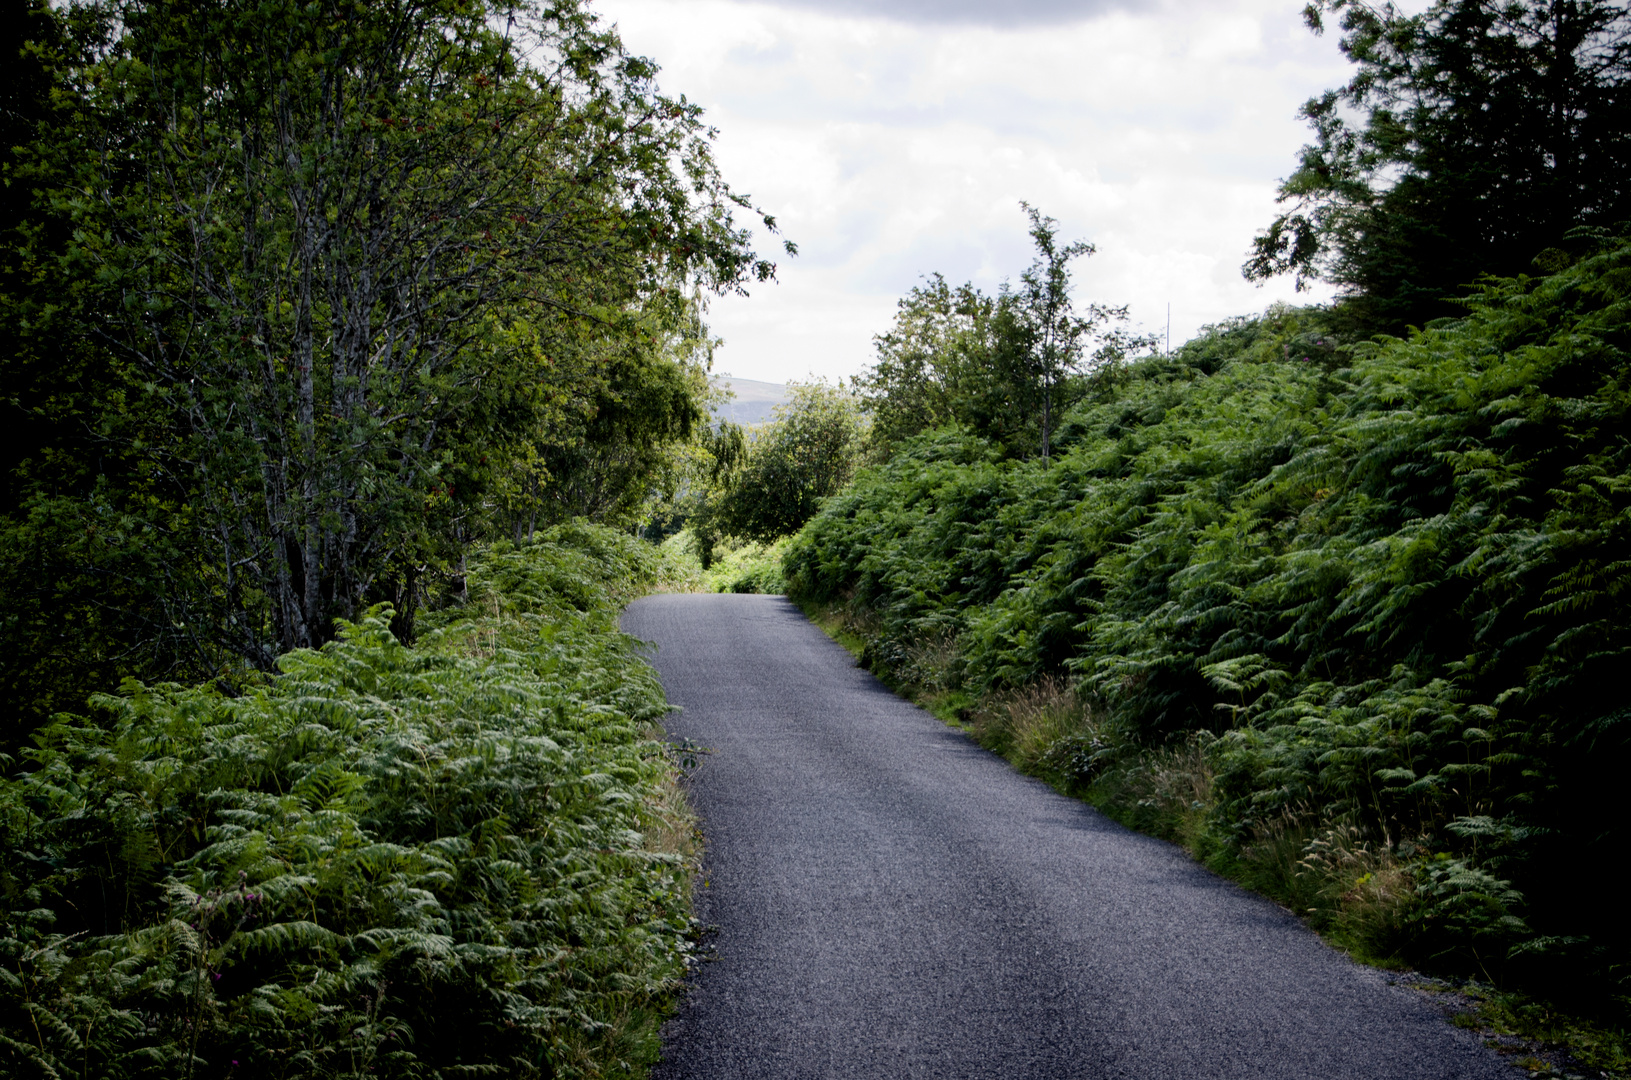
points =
(1368, 887)
(671, 825)
(931, 663)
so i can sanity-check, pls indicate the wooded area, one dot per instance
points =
(301, 302)
(323, 327)
(356, 364)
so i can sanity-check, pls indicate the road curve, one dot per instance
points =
(893, 901)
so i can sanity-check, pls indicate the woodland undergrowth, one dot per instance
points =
(1347, 620)
(735, 565)
(464, 858)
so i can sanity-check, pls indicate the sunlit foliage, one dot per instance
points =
(1388, 577)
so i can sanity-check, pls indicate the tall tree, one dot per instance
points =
(329, 238)
(1472, 138)
(77, 566)
(640, 395)
(935, 366)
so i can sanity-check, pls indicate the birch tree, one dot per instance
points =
(1054, 335)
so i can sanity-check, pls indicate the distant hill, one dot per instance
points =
(753, 402)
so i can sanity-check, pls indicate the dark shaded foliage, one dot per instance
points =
(1473, 138)
(297, 302)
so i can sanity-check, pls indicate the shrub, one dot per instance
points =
(381, 860)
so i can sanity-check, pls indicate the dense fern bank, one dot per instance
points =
(1351, 621)
(462, 858)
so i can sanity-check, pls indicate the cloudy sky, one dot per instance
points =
(895, 138)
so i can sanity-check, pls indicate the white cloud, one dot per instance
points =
(972, 12)
(889, 149)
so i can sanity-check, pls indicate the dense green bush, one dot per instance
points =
(808, 452)
(382, 860)
(748, 567)
(737, 566)
(1390, 578)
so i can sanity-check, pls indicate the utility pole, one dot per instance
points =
(1168, 350)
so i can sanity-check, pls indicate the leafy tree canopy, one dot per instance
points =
(1006, 367)
(1472, 139)
(808, 452)
(302, 291)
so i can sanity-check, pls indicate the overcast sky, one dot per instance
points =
(895, 138)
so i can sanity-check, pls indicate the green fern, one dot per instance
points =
(1398, 588)
(384, 861)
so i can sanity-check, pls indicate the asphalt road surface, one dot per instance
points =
(892, 901)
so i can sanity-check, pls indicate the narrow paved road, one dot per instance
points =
(892, 901)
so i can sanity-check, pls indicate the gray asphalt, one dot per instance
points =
(893, 901)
